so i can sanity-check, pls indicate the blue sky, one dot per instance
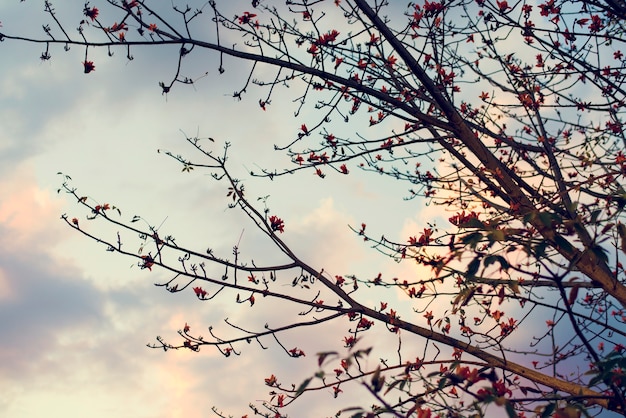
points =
(77, 319)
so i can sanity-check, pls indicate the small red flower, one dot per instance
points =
(502, 5)
(91, 13)
(246, 18)
(152, 27)
(327, 38)
(296, 352)
(146, 262)
(277, 224)
(373, 39)
(89, 66)
(365, 323)
(200, 292)
(349, 341)
(117, 27)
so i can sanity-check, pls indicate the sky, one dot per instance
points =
(76, 319)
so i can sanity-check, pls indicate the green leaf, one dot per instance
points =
(401, 382)
(496, 235)
(600, 253)
(563, 243)
(510, 411)
(594, 216)
(548, 410)
(474, 223)
(621, 230)
(472, 239)
(472, 267)
(303, 386)
(322, 356)
(546, 218)
(540, 249)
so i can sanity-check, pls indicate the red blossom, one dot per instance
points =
(91, 13)
(117, 27)
(349, 341)
(365, 323)
(296, 352)
(373, 40)
(200, 292)
(277, 224)
(246, 18)
(424, 413)
(327, 38)
(614, 127)
(461, 219)
(344, 169)
(271, 381)
(89, 66)
(152, 27)
(146, 262)
(425, 237)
